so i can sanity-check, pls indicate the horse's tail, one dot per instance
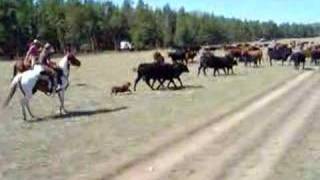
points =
(15, 71)
(13, 89)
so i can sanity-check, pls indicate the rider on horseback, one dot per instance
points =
(33, 53)
(50, 67)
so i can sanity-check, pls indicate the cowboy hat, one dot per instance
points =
(47, 46)
(36, 41)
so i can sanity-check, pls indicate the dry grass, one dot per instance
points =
(103, 127)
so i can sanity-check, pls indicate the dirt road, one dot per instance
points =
(273, 138)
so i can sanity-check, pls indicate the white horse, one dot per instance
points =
(29, 83)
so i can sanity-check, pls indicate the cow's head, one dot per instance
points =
(182, 68)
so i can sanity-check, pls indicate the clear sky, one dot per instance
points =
(298, 11)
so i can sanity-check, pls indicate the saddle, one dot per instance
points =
(46, 82)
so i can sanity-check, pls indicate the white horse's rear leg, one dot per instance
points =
(61, 98)
(22, 102)
(28, 108)
(25, 104)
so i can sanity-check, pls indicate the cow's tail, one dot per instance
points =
(13, 89)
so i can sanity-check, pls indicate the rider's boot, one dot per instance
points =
(55, 85)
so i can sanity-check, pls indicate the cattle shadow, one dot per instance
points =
(308, 69)
(193, 62)
(80, 113)
(185, 87)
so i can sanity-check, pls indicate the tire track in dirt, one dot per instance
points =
(227, 151)
(163, 162)
(220, 164)
(264, 159)
(301, 161)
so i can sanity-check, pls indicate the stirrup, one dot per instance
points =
(59, 88)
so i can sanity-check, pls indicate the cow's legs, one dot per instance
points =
(136, 82)
(174, 84)
(225, 72)
(260, 63)
(148, 83)
(153, 82)
(180, 82)
(214, 72)
(205, 71)
(168, 85)
(199, 70)
(161, 82)
(231, 69)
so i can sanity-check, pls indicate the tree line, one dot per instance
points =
(98, 25)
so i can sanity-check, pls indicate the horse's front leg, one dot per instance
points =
(23, 109)
(61, 98)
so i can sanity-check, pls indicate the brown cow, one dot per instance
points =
(235, 52)
(252, 56)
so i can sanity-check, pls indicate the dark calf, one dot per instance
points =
(210, 61)
(280, 53)
(178, 56)
(315, 56)
(298, 58)
(160, 73)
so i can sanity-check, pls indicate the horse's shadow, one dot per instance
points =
(80, 113)
(81, 84)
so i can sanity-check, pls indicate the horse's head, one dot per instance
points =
(73, 60)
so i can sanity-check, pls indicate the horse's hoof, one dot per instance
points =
(65, 111)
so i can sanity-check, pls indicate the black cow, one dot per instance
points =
(298, 58)
(178, 55)
(280, 53)
(184, 53)
(209, 60)
(315, 56)
(160, 73)
(171, 72)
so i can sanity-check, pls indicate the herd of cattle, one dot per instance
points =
(162, 72)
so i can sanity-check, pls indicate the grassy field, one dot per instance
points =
(111, 130)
